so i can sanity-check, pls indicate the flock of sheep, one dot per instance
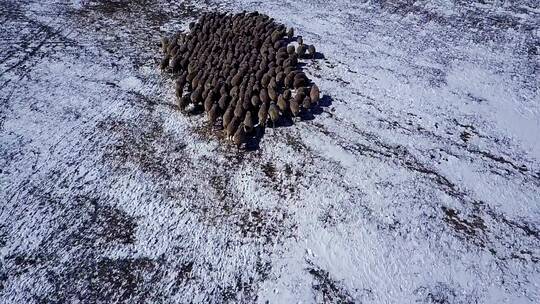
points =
(241, 69)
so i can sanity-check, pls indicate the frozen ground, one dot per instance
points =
(419, 181)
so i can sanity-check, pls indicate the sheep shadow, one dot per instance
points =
(325, 102)
(253, 142)
(318, 56)
(287, 120)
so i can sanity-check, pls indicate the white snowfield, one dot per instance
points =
(417, 181)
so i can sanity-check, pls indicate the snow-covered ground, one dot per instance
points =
(418, 182)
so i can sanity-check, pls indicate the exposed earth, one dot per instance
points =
(418, 181)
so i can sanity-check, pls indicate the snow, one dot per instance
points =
(418, 181)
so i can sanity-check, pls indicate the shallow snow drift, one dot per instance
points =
(418, 183)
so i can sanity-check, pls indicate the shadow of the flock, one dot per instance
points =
(244, 72)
